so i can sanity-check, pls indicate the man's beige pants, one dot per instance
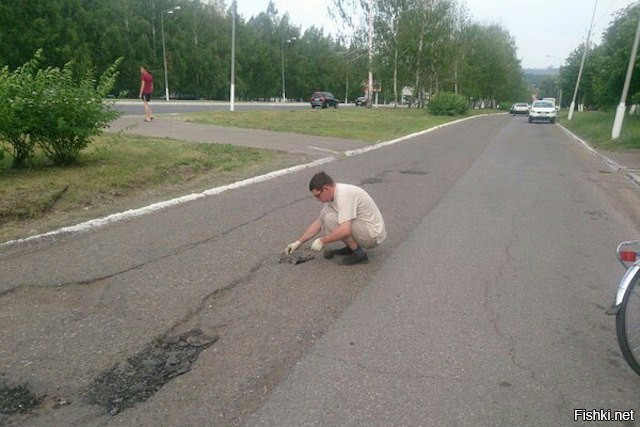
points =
(359, 230)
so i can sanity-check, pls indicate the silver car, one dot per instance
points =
(519, 108)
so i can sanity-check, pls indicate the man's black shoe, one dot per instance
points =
(355, 258)
(330, 253)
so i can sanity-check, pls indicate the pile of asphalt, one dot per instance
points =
(295, 259)
(17, 399)
(142, 375)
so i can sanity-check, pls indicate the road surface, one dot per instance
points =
(484, 306)
(159, 106)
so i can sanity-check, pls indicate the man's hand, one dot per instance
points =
(292, 247)
(317, 245)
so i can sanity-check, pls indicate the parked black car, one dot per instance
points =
(324, 100)
(361, 101)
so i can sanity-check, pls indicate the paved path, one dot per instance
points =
(316, 146)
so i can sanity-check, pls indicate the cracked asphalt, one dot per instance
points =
(492, 311)
(485, 306)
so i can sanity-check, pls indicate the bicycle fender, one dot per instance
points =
(630, 276)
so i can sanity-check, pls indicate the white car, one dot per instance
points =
(543, 110)
(519, 108)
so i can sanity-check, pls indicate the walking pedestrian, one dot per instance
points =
(349, 215)
(146, 89)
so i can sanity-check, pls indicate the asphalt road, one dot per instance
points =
(159, 106)
(485, 306)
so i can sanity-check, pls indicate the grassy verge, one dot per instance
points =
(120, 172)
(595, 127)
(365, 124)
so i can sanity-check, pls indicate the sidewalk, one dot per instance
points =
(161, 127)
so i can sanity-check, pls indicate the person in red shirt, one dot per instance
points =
(146, 89)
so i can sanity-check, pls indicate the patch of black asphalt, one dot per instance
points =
(295, 259)
(142, 375)
(17, 399)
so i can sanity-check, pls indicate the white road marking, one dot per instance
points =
(404, 138)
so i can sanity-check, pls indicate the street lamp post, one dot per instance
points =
(284, 98)
(617, 123)
(164, 51)
(232, 94)
(572, 106)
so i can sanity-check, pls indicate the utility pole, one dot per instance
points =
(370, 85)
(232, 95)
(584, 55)
(617, 123)
(346, 90)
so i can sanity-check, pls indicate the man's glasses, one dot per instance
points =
(317, 196)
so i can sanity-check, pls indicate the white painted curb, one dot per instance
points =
(404, 138)
(611, 163)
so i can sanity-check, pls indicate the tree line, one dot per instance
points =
(604, 69)
(424, 46)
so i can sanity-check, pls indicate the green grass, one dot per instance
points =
(116, 172)
(595, 127)
(365, 124)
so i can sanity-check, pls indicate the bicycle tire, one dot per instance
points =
(628, 326)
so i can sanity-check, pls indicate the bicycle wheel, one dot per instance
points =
(628, 326)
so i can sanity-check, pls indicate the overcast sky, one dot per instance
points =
(539, 27)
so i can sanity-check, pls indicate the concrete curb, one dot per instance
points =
(412, 135)
(635, 178)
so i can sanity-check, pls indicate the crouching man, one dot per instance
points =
(349, 215)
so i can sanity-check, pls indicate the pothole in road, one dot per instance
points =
(295, 259)
(143, 374)
(17, 399)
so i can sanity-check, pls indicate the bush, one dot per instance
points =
(16, 120)
(49, 108)
(447, 104)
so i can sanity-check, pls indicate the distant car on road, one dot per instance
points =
(519, 108)
(542, 110)
(361, 101)
(323, 100)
